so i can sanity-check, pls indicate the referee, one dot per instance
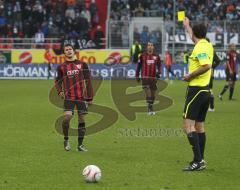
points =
(198, 93)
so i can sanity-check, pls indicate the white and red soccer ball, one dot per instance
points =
(92, 173)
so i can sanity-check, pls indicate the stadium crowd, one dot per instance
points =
(212, 12)
(76, 19)
(47, 19)
(195, 9)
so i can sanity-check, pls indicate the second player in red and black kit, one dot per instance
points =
(231, 72)
(150, 68)
(73, 84)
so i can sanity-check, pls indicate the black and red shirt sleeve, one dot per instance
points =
(88, 83)
(59, 79)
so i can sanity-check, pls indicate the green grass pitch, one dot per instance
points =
(32, 155)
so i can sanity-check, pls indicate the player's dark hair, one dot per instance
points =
(68, 45)
(150, 42)
(200, 31)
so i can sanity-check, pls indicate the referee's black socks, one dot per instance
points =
(194, 141)
(81, 133)
(202, 142)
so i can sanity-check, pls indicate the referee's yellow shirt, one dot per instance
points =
(202, 54)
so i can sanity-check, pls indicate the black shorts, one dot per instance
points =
(196, 103)
(80, 106)
(211, 82)
(229, 77)
(149, 83)
(169, 68)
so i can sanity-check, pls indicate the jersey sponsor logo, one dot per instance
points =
(202, 56)
(149, 62)
(72, 73)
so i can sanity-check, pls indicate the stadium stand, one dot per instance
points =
(196, 10)
(48, 20)
(48, 23)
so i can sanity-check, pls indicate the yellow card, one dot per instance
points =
(181, 15)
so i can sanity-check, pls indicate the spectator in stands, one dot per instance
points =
(155, 9)
(70, 12)
(37, 13)
(45, 27)
(136, 35)
(53, 30)
(230, 11)
(153, 37)
(93, 8)
(17, 13)
(70, 2)
(1, 5)
(95, 19)
(125, 35)
(145, 35)
(139, 11)
(86, 14)
(3, 25)
(39, 38)
(98, 37)
(169, 9)
(27, 11)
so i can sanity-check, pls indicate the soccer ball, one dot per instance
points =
(92, 173)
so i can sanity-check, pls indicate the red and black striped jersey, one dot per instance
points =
(232, 61)
(149, 65)
(74, 79)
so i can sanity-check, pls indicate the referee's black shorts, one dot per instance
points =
(196, 103)
(80, 106)
(230, 77)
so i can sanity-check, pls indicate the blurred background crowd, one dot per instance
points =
(79, 19)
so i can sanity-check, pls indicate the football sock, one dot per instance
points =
(212, 101)
(224, 90)
(231, 92)
(194, 141)
(81, 133)
(202, 142)
(65, 128)
(149, 100)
